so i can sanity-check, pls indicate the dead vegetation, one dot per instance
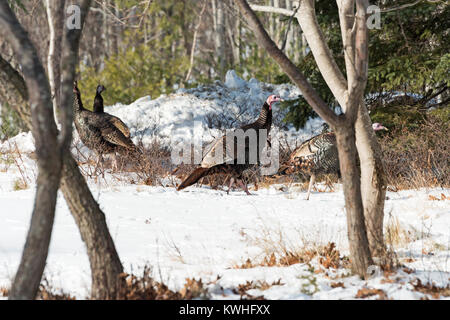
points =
(144, 287)
(327, 256)
(418, 157)
(431, 289)
(370, 292)
(4, 292)
(243, 289)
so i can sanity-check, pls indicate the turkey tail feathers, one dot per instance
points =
(193, 177)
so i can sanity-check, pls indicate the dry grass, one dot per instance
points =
(279, 251)
(396, 234)
(418, 158)
(20, 184)
(328, 257)
(48, 292)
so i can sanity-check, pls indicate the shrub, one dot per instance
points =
(418, 157)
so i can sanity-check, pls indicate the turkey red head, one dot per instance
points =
(272, 99)
(378, 126)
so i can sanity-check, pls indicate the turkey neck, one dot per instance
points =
(77, 103)
(264, 120)
(98, 103)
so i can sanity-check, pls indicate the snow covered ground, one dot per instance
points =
(204, 233)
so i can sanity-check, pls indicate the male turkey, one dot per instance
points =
(317, 155)
(231, 163)
(98, 132)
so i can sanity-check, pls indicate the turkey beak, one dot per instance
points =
(384, 128)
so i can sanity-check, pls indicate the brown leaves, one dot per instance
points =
(47, 292)
(4, 292)
(369, 292)
(146, 288)
(329, 257)
(193, 289)
(261, 285)
(443, 197)
(431, 289)
(337, 285)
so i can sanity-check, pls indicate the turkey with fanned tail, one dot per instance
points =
(230, 161)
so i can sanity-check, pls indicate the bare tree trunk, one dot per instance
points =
(103, 258)
(55, 16)
(343, 125)
(105, 263)
(194, 42)
(219, 37)
(290, 33)
(373, 181)
(357, 236)
(14, 90)
(29, 273)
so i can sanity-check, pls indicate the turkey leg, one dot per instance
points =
(311, 183)
(243, 186)
(230, 184)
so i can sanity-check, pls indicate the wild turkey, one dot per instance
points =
(99, 108)
(318, 155)
(98, 132)
(229, 164)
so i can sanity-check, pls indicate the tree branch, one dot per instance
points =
(271, 9)
(322, 53)
(291, 69)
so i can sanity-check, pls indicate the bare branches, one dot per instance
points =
(322, 53)
(291, 69)
(271, 9)
(194, 41)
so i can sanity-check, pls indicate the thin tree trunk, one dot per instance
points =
(103, 258)
(373, 182)
(55, 16)
(32, 264)
(219, 37)
(343, 125)
(357, 236)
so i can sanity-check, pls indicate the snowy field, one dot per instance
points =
(204, 233)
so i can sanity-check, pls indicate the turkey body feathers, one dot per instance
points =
(222, 156)
(316, 155)
(96, 131)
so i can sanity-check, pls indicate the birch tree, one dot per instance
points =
(350, 97)
(373, 181)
